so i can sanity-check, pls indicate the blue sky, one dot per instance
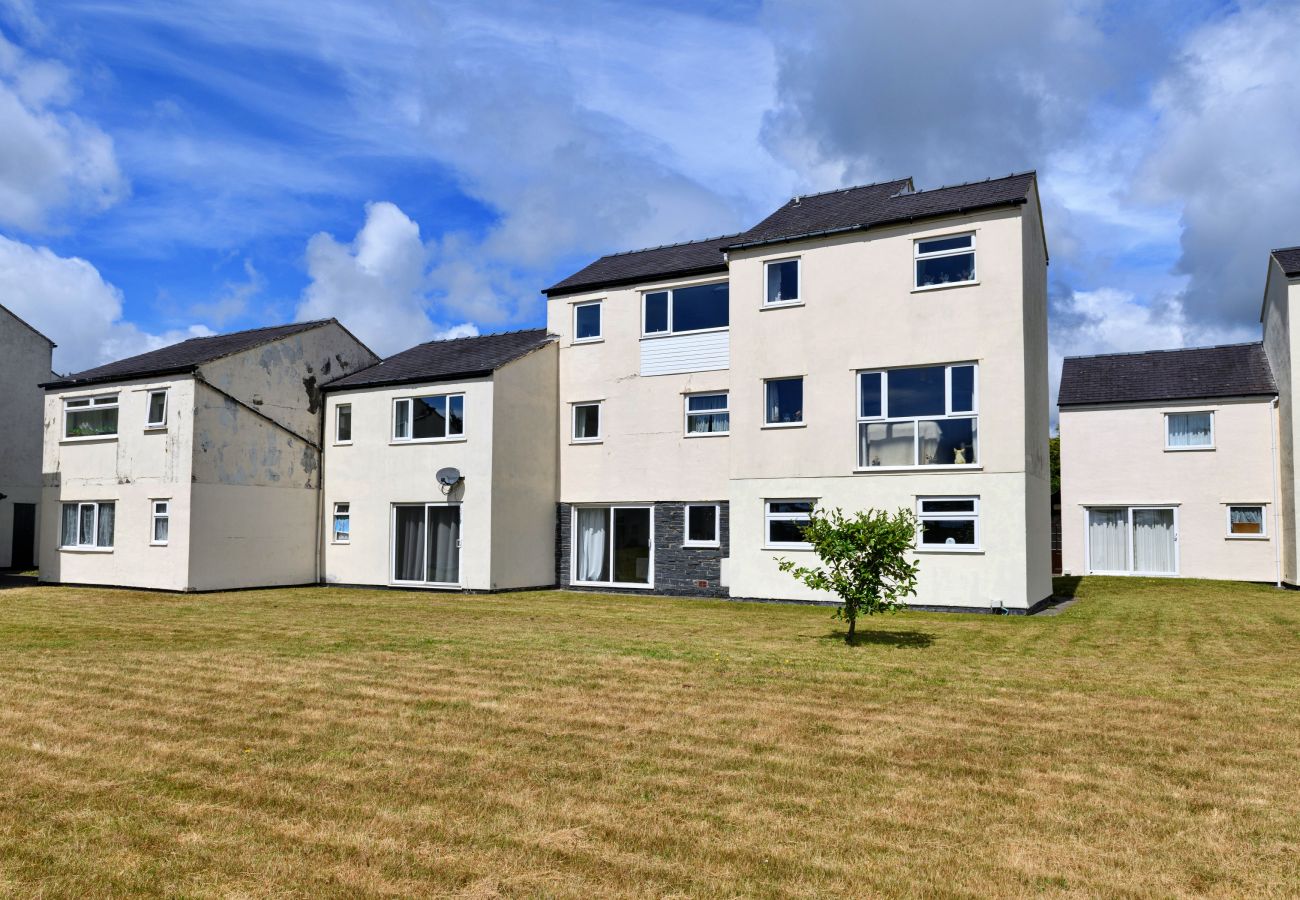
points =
(423, 169)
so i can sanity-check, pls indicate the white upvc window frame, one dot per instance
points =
(686, 405)
(948, 414)
(803, 406)
(1229, 534)
(923, 516)
(671, 291)
(600, 422)
(918, 256)
(717, 525)
(1128, 540)
(342, 510)
(798, 279)
(150, 424)
(769, 517)
(1190, 448)
(392, 544)
(338, 422)
(156, 514)
(573, 546)
(88, 548)
(88, 402)
(409, 400)
(600, 333)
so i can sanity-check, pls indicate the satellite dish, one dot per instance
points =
(448, 477)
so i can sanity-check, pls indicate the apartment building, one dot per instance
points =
(1168, 464)
(193, 467)
(873, 347)
(441, 468)
(25, 358)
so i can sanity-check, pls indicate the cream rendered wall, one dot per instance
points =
(644, 455)
(1038, 404)
(24, 364)
(373, 472)
(1279, 292)
(1116, 456)
(861, 312)
(525, 470)
(132, 469)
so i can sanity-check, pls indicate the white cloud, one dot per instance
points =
(51, 160)
(67, 300)
(378, 284)
(233, 299)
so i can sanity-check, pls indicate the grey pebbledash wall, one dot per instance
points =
(678, 570)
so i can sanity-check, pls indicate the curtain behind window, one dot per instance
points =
(593, 541)
(69, 525)
(1108, 540)
(104, 536)
(409, 539)
(444, 532)
(1189, 430)
(1153, 540)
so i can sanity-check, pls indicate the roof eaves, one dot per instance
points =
(557, 291)
(117, 379)
(335, 387)
(1148, 401)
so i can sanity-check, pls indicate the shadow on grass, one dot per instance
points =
(912, 640)
(1065, 585)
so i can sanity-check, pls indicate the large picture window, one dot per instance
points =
(684, 309)
(90, 417)
(918, 417)
(88, 526)
(439, 417)
(949, 523)
(613, 545)
(945, 260)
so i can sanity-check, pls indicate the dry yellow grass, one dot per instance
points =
(364, 743)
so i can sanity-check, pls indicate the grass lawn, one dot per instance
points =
(351, 743)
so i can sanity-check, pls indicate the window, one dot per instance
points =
(613, 545)
(949, 523)
(586, 422)
(90, 417)
(88, 525)
(785, 521)
(343, 423)
(161, 522)
(426, 544)
(1246, 521)
(586, 322)
(918, 417)
(945, 260)
(686, 309)
(783, 401)
(440, 417)
(342, 523)
(707, 414)
(157, 417)
(782, 282)
(1189, 431)
(702, 525)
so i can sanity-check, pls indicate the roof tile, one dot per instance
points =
(1229, 370)
(447, 360)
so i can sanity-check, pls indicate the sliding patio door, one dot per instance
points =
(1128, 540)
(613, 545)
(426, 544)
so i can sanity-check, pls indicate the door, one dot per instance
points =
(1108, 541)
(444, 544)
(1154, 550)
(1132, 540)
(426, 544)
(24, 537)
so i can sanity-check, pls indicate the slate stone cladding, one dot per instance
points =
(679, 571)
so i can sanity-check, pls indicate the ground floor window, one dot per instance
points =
(784, 522)
(1132, 540)
(342, 523)
(613, 545)
(1246, 521)
(161, 522)
(426, 543)
(949, 523)
(88, 524)
(702, 525)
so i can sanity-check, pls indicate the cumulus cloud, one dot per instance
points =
(378, 283)
(51, 159)
(67, 300)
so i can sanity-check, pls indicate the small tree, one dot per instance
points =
(864, 559)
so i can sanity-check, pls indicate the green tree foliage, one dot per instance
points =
(1054, 461)
(864, 560)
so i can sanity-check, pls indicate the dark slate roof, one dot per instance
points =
(1229, 370)
(635, 266)
(185, 357)
(447, 360)
(812, 215)
(1289, 259)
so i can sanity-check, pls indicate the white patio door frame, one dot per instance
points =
(1129, 534)
(428, 563)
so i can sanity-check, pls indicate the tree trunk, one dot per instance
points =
(853, 624)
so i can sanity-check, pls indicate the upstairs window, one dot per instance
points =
(88, 525)
(685, 309)
(783, 401)
(782, 282)
(157, 416)
(918, 417)
(1189, 431)
(707, 414)
(440, 417)
(586, 322)
(343, 423)
(945, 260)
(586, 422)
(90, 417)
